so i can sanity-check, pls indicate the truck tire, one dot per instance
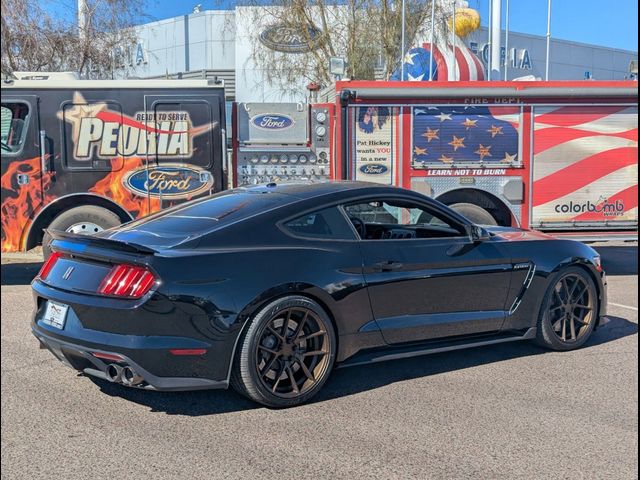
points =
(476, 214)
(87, 219)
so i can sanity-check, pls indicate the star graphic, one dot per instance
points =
(419, 151)
(419, 111)
(456, 143)
(408, 58)
(444, 116)
(80, 109)
(444, 159)
(431, 134)
(483, 151)
(495, 131)
(469, 123)
(411, 78)
(509, 158)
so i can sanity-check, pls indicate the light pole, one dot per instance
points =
(490, 41)
(496, 33)
(506, 41)
(433, 21)
(82, 20)
(402, 53)
(546, 68)
(453, 36)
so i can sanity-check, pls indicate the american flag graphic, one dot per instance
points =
(464, 65)
(585, 164)
(465, 134)
(446, 66)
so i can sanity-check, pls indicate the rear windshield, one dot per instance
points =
(210, 214)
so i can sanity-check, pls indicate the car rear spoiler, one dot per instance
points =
(75, 243)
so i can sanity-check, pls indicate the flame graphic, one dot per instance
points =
(112, 186)
(19, 207)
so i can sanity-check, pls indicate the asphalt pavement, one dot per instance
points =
(506, 411)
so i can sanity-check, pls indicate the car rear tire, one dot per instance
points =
(569, 311)
(286, 353)
(87, 219)
(476, 214)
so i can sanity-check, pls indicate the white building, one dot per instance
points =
(220, 42)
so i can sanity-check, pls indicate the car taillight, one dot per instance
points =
(128, 281)
(48, 265)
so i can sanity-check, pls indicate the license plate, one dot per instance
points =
(55, 314)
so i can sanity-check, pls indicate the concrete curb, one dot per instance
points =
(32, 256)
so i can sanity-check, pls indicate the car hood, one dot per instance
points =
(518, 234)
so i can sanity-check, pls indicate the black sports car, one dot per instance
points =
(269, 288)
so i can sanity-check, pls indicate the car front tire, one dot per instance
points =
(569, 310)
(286, 353)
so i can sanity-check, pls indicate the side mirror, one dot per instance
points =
(477, 234)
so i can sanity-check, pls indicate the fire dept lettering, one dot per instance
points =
(464, 172)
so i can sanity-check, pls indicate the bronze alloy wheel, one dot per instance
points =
(292, 352)
(571, 308)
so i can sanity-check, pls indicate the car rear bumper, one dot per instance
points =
(84, 359)
(169, 348)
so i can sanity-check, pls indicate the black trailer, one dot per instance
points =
(85, 155)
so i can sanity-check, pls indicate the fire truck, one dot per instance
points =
(85, 155)
(561, 157)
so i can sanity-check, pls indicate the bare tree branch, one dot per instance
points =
(367, 33)
(34, 39)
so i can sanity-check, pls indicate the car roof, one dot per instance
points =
(305, 191)
(192, 221)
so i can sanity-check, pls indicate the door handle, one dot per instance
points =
(388, 265)
(43, 152)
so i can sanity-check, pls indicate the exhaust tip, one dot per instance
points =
(114, 373)
(130, 377)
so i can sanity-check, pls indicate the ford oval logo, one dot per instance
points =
(290, 40)
(374, 169)
(169, 181)
(269, 121)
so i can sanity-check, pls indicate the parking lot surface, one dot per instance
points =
(506, 411)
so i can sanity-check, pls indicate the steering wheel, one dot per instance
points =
(359, 226)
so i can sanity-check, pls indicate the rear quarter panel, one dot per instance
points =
(232, 275)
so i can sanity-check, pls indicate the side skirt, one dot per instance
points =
(395, 353)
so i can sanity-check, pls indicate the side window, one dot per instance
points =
(183, 130)
(328, 223)
(14, 121)
(95, 136)
(399, 219)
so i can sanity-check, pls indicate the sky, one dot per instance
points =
(610, 23)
